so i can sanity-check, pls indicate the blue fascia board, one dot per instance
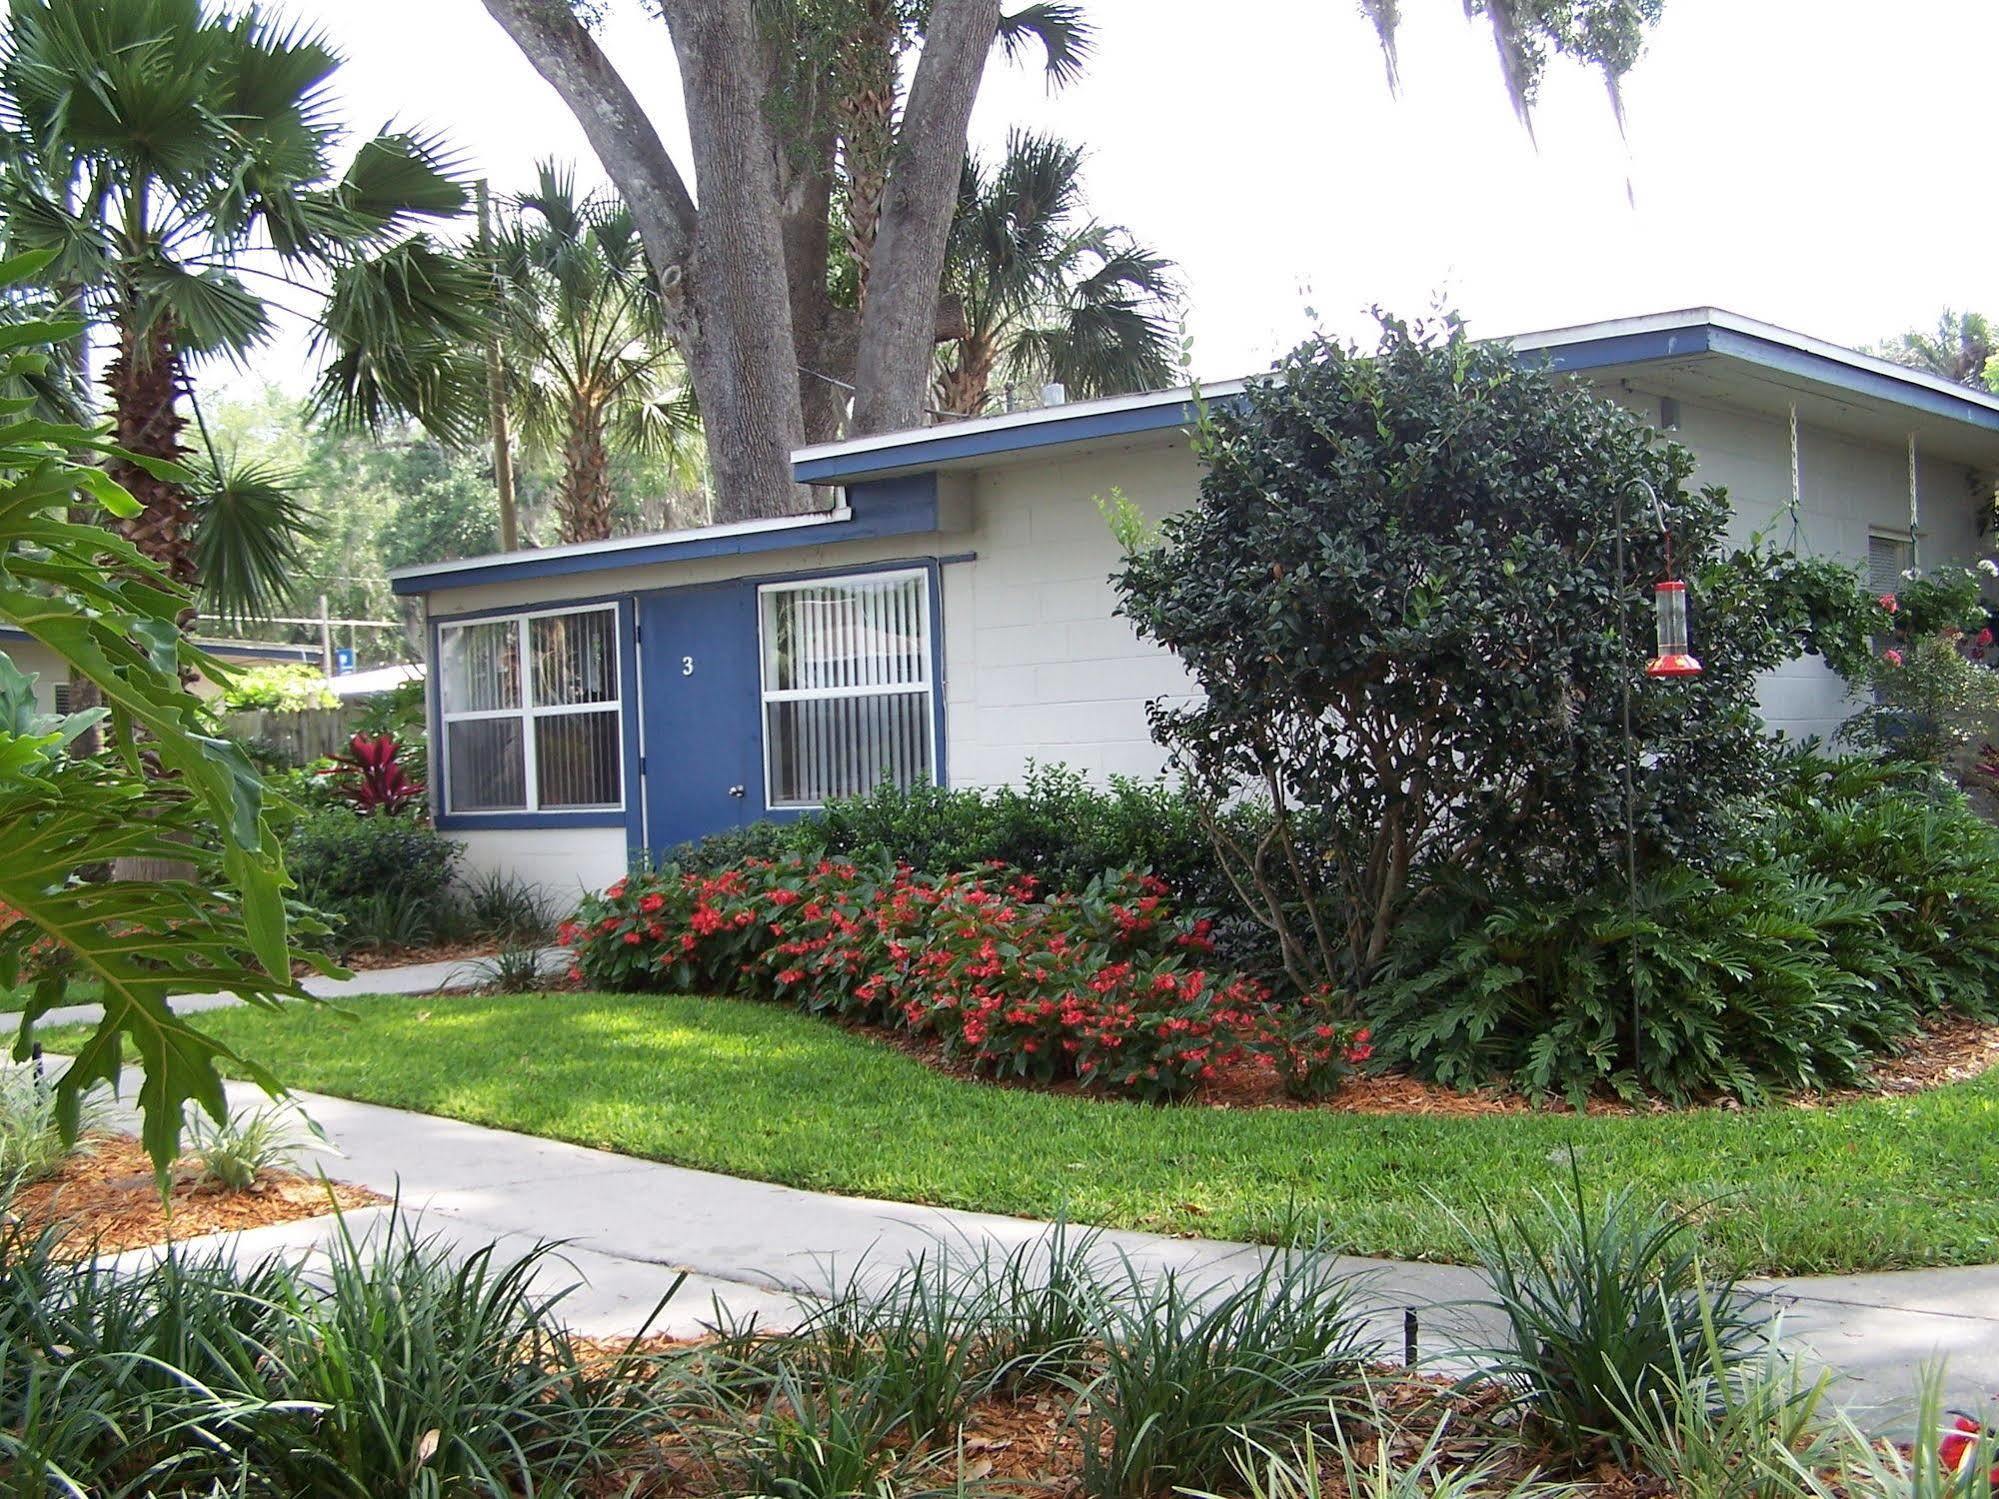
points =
(950, 447)
(1860, 381)
(1687, 341)
(1623, 348)
(899, 506)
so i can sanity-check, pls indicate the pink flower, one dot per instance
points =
(1888, 602)
(1892, 656)
(1983, 638)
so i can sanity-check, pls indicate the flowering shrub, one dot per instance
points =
(1315, 1050)
(1097, 986)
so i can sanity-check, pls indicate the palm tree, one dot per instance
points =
(589, 370)
(1958, 351)
(1047, 292)
(178, 160)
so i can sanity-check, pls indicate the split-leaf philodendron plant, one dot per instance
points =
(163, 787)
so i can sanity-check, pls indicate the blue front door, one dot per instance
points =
(703, 743)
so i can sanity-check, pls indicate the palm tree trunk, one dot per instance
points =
(584, 506)
(865, 72)
(143, 383)
(963, 384)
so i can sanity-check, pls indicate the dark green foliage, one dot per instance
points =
(381, 879)
(1607, 1309)
(1865, 900)
(1055, 824)
(1400, 595)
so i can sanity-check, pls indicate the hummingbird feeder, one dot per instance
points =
(1674, 659)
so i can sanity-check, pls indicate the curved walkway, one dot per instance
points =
(631, 1227)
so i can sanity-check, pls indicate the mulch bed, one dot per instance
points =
(105, 1198)
(366, 960)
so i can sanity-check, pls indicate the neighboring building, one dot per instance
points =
(351, 686)
(51, 672)
(951, 618)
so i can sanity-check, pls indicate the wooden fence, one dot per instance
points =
(302, 736)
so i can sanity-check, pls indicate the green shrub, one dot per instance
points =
(1863, 900)
(386, 879)
(291, 687)
(1607, 1310)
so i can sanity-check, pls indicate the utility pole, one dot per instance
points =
(325, 638)
(496, 390)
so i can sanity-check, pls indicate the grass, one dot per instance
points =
(764, 1092)
(81, 992)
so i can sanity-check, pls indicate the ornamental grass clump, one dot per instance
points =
(1095, 986)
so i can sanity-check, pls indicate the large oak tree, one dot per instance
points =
(804, 289)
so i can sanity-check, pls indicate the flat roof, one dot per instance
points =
(1664, 336)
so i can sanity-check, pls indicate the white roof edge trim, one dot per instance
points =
(627, 543)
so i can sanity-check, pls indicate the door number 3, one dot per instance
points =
(687, 666)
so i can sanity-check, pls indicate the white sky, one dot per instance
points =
(1813, 163)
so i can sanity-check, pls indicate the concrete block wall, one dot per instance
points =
(1038, 667)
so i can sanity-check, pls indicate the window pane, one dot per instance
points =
(482, 668)
(822, 748)
(858, 634)
(576, 759)
(575, 658)
(485, 766)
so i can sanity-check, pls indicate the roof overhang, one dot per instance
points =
(1708, 351)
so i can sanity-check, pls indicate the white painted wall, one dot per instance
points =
(563, 863)
(34, 659)
(1037, 668)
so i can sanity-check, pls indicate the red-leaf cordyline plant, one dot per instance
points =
(373, 780)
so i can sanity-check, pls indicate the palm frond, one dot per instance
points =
(1064, 34)
(215, 312)
(249, 526)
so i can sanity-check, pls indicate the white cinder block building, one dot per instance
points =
(950, 618)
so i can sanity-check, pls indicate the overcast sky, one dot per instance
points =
(1814, 163)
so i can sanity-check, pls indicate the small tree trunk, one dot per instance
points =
(584, 506)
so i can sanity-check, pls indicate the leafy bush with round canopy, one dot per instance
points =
(1403, 596)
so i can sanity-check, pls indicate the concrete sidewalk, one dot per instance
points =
(411, 978)
(630, 1227)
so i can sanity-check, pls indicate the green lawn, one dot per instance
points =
(81, 992)
(764, 1092)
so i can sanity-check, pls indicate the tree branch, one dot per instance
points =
(893, 366)
(568, 57)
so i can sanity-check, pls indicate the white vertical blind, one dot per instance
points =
(846, 687)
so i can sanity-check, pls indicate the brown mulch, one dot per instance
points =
(105, 1198)
(364, 960)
